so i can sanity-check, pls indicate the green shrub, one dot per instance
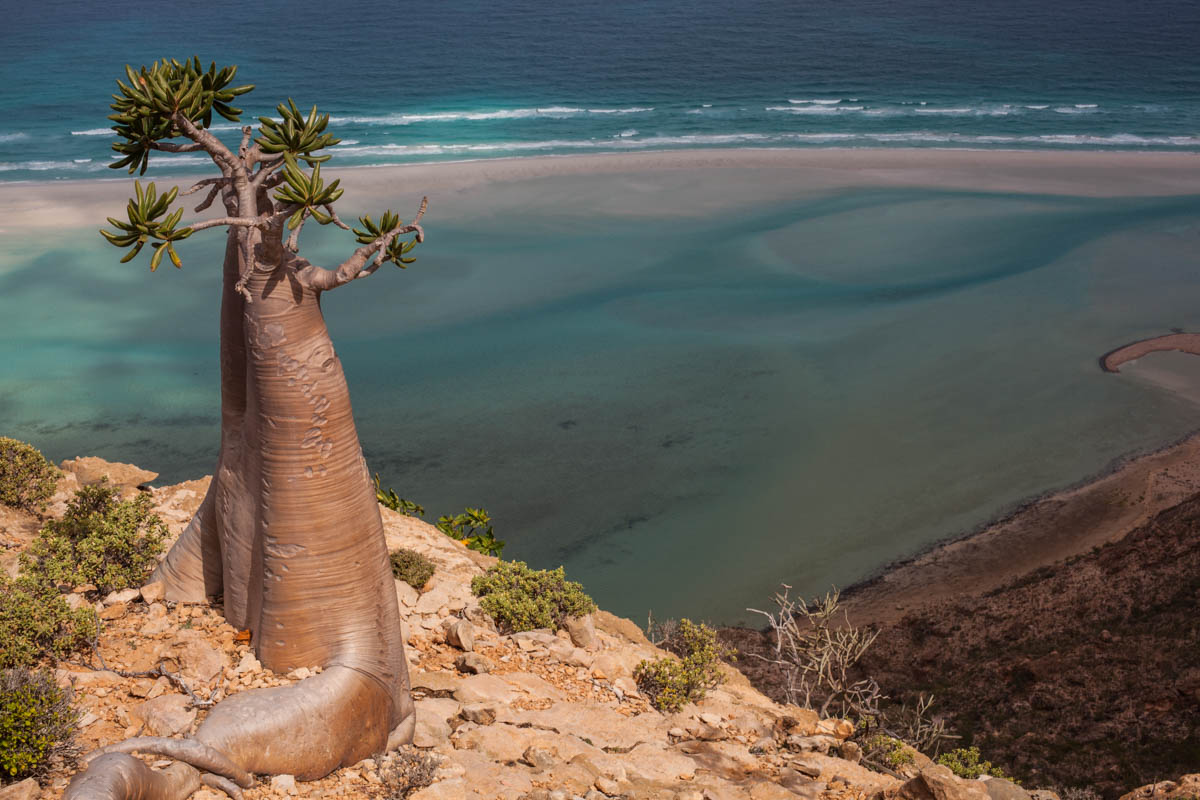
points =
(27, 479)
(411, 567)
(37, 723)
(888, 751)
(101, 540)
(672, 683)
(397, 503)
(473, 528)
(36, 622)
(522, 599)
(965, 763)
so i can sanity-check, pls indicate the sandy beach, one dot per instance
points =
(779, 173)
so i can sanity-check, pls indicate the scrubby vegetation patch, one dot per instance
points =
(27, 479)
(37, 723)
(411, 567)
(671, 683)
(36, 623)
(523, 599)
(101, 540)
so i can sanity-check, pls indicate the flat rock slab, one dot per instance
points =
(600, 725)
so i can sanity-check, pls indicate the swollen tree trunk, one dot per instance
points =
(290, 532)
(290, 535)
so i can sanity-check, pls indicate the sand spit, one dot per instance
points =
(85, 203)
(1181, 342)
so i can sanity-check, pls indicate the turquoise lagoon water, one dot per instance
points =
(683, 409)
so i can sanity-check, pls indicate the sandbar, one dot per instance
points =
(779, 173)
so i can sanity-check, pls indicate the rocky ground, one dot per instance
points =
(529, 715)
(1081, 674)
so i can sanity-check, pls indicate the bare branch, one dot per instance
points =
(243, 148)
(293, 242)
(336, 219)
(265, 169)
(209, 143)
(198, 185)
(208, 201)
(245, 222)
(172, 147)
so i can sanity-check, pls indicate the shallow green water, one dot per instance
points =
(684, 409)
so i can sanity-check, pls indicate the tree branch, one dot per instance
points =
(171, 147)
(245, 222)
(211, 144)
(243, 148)
(356, 266)
(198, 185)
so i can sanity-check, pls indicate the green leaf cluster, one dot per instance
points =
(110, 543)
(473, 528)
(143, 212)
(295, 134)
(36, 622)
(307, 191)
(395, 502)
(411, 567)
(144, 108)
(522, 599)
(37, 723)
(966, 762)
(671, 683)
(398, 249)
(889, 751)
(27, 479)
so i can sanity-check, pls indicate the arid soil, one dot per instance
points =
(1082, 673)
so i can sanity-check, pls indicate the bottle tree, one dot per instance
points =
(289, 534)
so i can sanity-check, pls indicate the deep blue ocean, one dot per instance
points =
(686, 385)
(454, 80)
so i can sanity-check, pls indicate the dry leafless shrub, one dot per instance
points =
(816, 649)
(405, 771)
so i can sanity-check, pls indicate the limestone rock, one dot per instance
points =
(620, 627)
(283, 784)
(153, 592)
(165, 715)
(198, 660)
(539, 757)
(121, 596)
(27, 789)
(938, 783)
(479, 713)
(406, 595)
(653, 762)
(770, 791)
(432, 727)
(483, 689)
(248, 664)
(89, 470)
(436, 684)
(461, 634)
(472, 663)
(115, 611)
(1000, 789)
(582, 631)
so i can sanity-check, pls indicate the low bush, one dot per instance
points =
(411, 567)
(27, 479)
(36, 622)
(522, 599)
(965, 762)
(110, 543)
(887, 751)
(37, 723)
(672, 683)
(473, 528)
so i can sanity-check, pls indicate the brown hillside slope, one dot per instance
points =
(1086, 673)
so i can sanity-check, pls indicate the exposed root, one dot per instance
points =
(115, 776)
(189, 751)
(221, 783)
